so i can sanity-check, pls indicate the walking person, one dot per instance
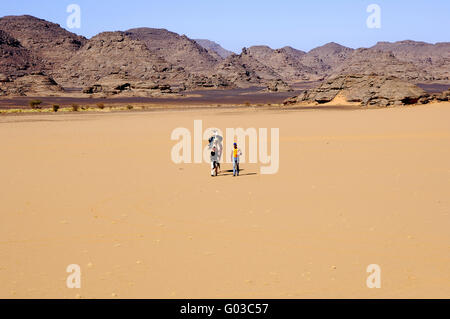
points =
(214, 162)
(235, 158)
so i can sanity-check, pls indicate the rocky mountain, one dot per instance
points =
(286, 62)
(117, 59)
(47, 41)
(434, 59)
(157, 61)
(371, 61)
(15, 59)
(214, 47)
(245, 71)
(325, 58)
(175, 49)
(365, 90)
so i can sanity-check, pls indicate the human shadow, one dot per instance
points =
(230, 173)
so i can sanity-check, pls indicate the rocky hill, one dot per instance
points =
(365, 90)
(434, 59)
(47, 41)
(324, 59)
(118, 59)
(214, 47)
(286, 62)
(244, 70)
(15, 59)
(175, 49)
(371, 61)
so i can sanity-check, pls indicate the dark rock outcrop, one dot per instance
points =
(204, 82)
(36, 84)
(115, 85)
(278, 86)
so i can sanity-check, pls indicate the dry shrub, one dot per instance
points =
(35, 104)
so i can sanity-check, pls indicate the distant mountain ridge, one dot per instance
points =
(157, 59)
(214, 47)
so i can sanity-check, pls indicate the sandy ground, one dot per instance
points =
(355, 187)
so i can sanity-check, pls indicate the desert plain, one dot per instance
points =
(355, 187)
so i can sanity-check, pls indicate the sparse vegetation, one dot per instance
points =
(75, 107)
(247, 103)
(35, 104)
(130, 107)
(55, 108)
(101, 106)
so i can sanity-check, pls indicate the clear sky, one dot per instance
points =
(303, 24)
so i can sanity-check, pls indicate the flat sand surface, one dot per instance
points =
(354, 188)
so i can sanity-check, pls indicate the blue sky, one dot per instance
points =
(303, 24)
